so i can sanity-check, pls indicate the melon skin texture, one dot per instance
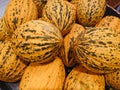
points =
(61, 13)
(11, 67)
(18, 12)
(89, 12)
(98, 49)
(40, 5)
(3, 32)
(113, 79)
(49, 76)
(111, 22)
(66, 52)
(82, 79)
(37, 41)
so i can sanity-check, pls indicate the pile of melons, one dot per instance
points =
(40, 40)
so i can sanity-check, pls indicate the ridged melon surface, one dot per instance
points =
(37, 41)
(98, 49)
(89, 12)
(61, 13)
(18, 12)
(11, 67)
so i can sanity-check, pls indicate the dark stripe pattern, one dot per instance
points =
(61, 13)
(18, 12)
(36, 41)
(3, 32)
(89, 12)
(99, 49)
(11, 67)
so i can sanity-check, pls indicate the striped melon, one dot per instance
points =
(3, 32)
(81, 79)
(40, 5)
(98, 49)
(11, 67)
(48, 76)
(89, 12)
(111, 22)
(37, 40)
(18, 12)
(61, 13)
(66, 52)
(113, 79)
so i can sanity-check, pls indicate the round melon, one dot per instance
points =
(98, 49)
(89, 12)
(37, 41)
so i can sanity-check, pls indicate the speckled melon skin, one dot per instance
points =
(98, 49)
(3, 32)
(11, 67)
(40, 5)
(61, 13)
(37, 41)
(111, 22)
(113, 79)
(66, 52)
(49, 76)
(89, 12)
(18, 12)
(82, 79)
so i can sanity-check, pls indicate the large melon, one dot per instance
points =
(37, 40)
(98, 49)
